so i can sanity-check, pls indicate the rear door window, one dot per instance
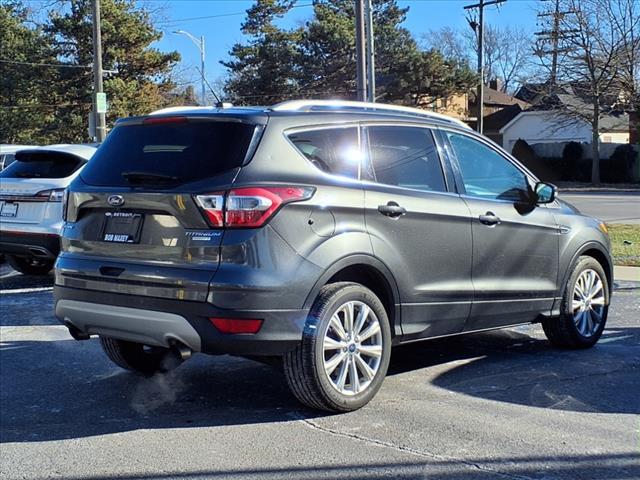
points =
(332, 150)
(35, 164)
(405, 157)
(178, 152)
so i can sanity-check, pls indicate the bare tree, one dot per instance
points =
(625, 15)
(591, 70)
(507, 51)
(449, 42)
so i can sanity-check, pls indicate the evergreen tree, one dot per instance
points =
(23, 81)
(319, 59)
(142, 79)
(263, 71)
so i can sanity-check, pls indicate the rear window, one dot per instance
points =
(42, 165)
(176, 152)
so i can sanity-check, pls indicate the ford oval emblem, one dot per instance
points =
(116, 200)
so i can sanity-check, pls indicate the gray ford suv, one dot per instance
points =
(320, 234)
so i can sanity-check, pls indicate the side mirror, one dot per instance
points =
(545, 192)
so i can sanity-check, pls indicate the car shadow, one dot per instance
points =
(515, 366)
(55, 388)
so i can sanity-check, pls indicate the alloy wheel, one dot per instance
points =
(352, 347)
(588, 303)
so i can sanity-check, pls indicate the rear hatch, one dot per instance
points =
(36, 179)
(134, 224)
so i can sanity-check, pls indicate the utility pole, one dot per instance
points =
(554, 35)
(361, 75)
(479, 27)
(203, 91)
(371, 63)
(198, 42)
(99, 116)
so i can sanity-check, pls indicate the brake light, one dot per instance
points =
(55, 195)
(237, 325)
(213, 207)
(65, 203)
(248, 207)
(163, 120)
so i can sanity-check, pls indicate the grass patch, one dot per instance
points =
(625, 254)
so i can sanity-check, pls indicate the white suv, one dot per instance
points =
(31, 207)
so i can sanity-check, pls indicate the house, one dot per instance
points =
(559, 115)
(550, 126)
(499, 108)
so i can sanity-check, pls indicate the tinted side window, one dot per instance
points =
(406, 157)
(485, 172)
(332, 150)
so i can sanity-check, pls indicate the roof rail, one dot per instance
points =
(319, 105)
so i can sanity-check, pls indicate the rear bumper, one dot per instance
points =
(156, 321)
(41, 245)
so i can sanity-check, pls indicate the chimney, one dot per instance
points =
(496, 84)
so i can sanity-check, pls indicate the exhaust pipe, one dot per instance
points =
(182, 350)
(76, 333)
(40, 252)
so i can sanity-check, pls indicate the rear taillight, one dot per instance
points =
(55, 195)
(65, 203)
(248, 207)
(237, 325)
(213, 207)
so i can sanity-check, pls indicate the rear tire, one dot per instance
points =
(343, 358)
(584, 308)
(30, 265)
(139, 358)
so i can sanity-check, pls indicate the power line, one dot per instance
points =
(220, 15)
(32, 64)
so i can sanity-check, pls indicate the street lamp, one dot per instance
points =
(200, 44)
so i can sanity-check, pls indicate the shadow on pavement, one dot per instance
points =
(68, 389)
(619, 466)
(509, 366)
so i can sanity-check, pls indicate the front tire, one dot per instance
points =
(30, 265)
(139, 358)
(584, 308)
(345, 350)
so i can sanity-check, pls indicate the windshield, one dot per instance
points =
(175, 152)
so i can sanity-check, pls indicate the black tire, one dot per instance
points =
(138, 357)
(304, 367)
(562, 331)
(30, 265)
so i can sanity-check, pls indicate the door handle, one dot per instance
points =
(392, 209)
(490, 219)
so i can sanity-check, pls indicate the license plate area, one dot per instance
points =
(9, 210)
(122, 227)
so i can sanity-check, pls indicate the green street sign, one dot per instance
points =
(101, 102)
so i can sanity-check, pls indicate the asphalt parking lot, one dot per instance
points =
(495, 405)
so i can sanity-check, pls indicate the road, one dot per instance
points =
(623, 207)
(501, 405)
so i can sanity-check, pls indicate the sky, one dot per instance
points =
(223, 30)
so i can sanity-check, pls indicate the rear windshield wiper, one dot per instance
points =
(148, 177)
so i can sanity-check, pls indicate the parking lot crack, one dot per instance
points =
(409, 450)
